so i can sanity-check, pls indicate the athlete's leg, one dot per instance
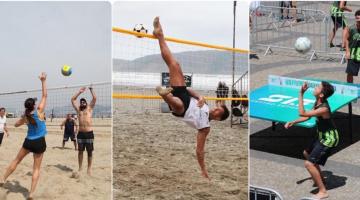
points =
(176, 75)
(36, 172)
(350, 78)
(22, 153)
(80, 159)
(315, 174)
(89, 153)
(175, 103)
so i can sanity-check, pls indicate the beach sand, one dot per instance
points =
(154, 156)
(58, 166)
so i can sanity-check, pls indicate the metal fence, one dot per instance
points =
(276, 27)
(59, 100)
(239, 109)
(260, 193)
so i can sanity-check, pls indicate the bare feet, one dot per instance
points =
(75, 175)
(321, 195)
(164, 91)
(89, 172)
(158, 32)
(30, 197)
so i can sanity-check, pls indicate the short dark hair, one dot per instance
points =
(82, 99)
(225, 114)
(357, 13)
(327, 89)
(2, 109)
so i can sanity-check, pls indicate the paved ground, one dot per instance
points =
(275, 156)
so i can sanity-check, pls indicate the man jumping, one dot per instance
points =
(185, 102)
(85, 137)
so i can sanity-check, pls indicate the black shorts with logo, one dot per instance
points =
(85, 140)
(352, 67)
(318, 153)
(338, 21)
(37, 146)
(183, 94)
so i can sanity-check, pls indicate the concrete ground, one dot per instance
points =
(276, 156)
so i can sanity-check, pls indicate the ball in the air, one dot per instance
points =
(140, 28)
(302, 45)
(66, 70)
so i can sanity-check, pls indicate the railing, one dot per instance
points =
(239, 109)
(273, 30)
(260, 193)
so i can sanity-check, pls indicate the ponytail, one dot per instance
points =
(29, 107)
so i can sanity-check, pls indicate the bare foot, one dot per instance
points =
(89, 172)
(30, 197)
(75, 175)
(164, 91)
(158, 32)
(321, 195)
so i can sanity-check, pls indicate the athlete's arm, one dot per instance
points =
(299, 120)
(73, 99)
(20, 122)
(62, 124)
(311, 113)
(201, 99)
(42, 103)
(93, 101)
(76, 127)
(343, 7)
(200, 153)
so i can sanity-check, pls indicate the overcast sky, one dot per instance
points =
(43, 36)
(208, 22)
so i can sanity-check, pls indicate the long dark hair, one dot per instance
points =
(29, 107)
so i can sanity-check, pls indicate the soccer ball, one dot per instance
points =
(302, 45)
(140, 29)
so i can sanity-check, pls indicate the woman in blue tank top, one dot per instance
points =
(35, 138)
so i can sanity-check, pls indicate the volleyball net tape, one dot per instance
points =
(58, 103)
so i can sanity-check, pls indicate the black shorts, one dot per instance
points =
(85, 140)
(353, 67)
(69, 135)
(35, 146)
(338, 21)
(1, 137)
(183, 94)
(318, 153)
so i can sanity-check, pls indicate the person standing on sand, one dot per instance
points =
(85, 137)
(3, 127)
(35, 139)
(70, 130)
(185, 103)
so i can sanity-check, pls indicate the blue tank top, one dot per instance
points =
(38, 131)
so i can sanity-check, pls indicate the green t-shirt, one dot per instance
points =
(335, 9)
(327, 132)
(354, 43)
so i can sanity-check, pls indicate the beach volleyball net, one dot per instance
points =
(138, 68)
(59, 101)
